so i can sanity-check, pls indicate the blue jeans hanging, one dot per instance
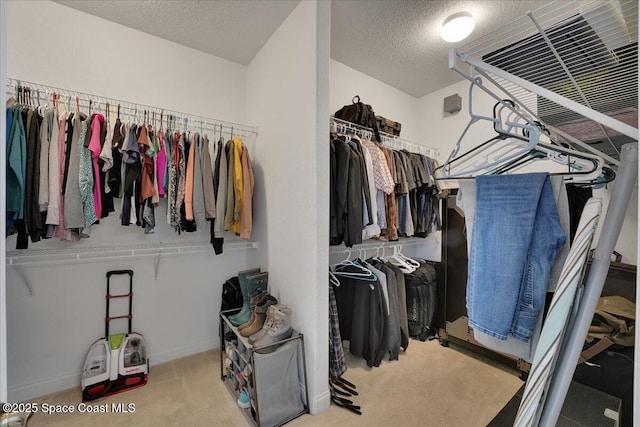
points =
(516, 237)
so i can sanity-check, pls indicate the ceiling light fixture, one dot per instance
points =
(457, 27)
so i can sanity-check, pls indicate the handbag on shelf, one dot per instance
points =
(359, 114)
(231, 296)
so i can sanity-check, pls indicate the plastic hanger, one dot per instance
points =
(457, 166)
(333, 280)
(399, 262)
(581, 167)
(496, 151)
(42, 108)
(360, 273)
(517, 144)
(410, 261)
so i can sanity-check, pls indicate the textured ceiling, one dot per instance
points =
(396, 42)
(234, 30)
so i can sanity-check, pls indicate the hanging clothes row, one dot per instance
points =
(378, 192)
(64, 170)
(380, 303)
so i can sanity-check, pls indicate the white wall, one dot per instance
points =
(49, 333)
(287, 97)
(70, 49)
(387, 101)
(627, 244)
(442, 129)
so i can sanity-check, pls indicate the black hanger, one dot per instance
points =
(338, 387)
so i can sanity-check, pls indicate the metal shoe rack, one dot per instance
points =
(276, 382)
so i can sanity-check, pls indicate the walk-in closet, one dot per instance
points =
(318, 212)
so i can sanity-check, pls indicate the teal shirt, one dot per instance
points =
(16, 166)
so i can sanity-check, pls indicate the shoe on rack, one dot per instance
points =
(244, 401)
(267, 323)
(246, 372)
(231, 337)
(242, 276)
(231, 353)
(260, 316)
(253, 283)
(279, 330)
(256, 298)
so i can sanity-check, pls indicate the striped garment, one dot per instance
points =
(554, 328)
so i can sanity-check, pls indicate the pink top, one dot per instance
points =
(95, 148)
(161, 164)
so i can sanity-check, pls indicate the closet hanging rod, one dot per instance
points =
(194, 121)
(130, 113)
(389, 140)
(385, 244)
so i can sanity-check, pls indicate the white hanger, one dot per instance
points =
(408, 260)
(516, 144)
(399, 262)
(333, 279)
(362, 272)
(498, 156)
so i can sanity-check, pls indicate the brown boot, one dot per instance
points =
(256, 298)
(261, 315)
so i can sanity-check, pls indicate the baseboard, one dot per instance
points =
(320, 403)
(24, 392)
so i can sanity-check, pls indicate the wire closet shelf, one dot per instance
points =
(37, 94)
(572, 64)
(41, 257)
(388, 140)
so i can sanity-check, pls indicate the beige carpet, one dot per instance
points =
(429, 386)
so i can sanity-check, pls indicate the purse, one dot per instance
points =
(359, 114)
(231, 296)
